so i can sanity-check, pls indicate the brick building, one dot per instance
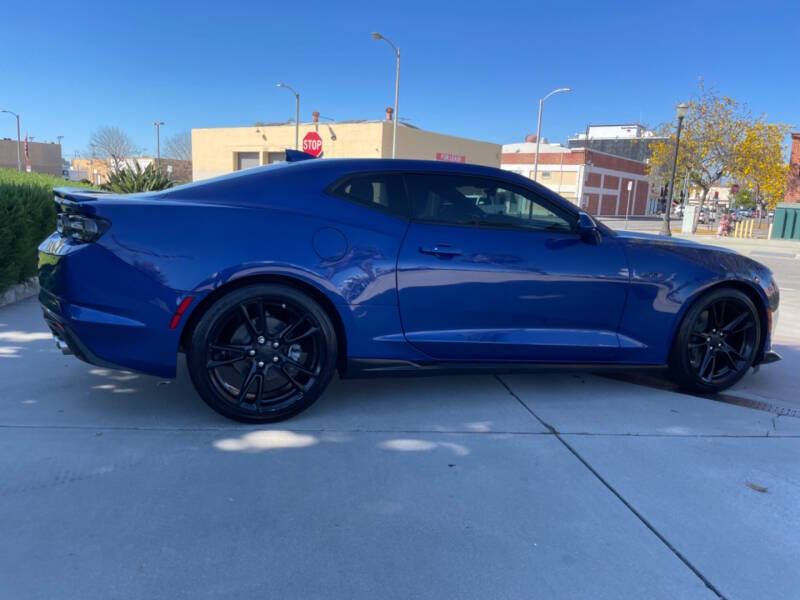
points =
(595, 181)
(793, 187)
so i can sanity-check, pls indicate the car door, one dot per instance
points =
(491, 270)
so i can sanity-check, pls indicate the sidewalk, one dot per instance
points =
(777, 248)
(746, 246)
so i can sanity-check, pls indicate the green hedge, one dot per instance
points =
(27, 216)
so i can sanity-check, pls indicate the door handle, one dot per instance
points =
(440, 250)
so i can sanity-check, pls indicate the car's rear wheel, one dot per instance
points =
(717, 342)
(262, 353)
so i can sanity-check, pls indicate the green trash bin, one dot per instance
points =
(786, 224)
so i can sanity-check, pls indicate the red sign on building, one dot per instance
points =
(312, 143)
(450, 157)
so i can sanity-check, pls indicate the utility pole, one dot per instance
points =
(539, 128)
(158, 125)
(19, 141)
(378, 36)
(296, 113)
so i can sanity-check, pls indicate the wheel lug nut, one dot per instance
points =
(252, 353)
(260, 364)
(275, 345)
(261, 339)
(275, 359)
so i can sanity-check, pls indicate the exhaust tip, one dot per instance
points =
(63, 346)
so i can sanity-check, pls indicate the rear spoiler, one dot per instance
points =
(297, 155)
(67, 195)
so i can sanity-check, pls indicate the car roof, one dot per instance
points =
(311, 172)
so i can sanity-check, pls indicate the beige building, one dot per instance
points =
(44, 157)
(220, 150)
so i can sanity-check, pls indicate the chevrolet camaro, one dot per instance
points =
(272, 279)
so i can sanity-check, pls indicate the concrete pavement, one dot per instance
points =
(569, 485)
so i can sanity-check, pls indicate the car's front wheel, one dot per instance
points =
(717, 342)
(262, 353)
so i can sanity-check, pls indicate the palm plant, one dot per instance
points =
(132, 178)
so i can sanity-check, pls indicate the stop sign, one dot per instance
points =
(312, 143)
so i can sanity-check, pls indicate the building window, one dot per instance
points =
(246, 160)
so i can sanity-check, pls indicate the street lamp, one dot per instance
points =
(296, 114)
(19, 143)
(681, 110)
(539, 129)
(158, 125)
(378, 36)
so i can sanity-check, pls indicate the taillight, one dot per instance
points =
(81, 228)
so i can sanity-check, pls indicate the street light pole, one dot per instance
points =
(296, 114)
(628, 205)
(539, 128)
(158, 125)
(378, 36)
(19, 141)
(681, 111)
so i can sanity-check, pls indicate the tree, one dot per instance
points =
(744, 199)
(712, 131)
(722, 140)
(179, 146)
(131, 178)
(760, 163)
(112, 144)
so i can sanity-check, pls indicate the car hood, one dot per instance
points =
(663, 241)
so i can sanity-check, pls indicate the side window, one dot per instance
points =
(380, 191)
(464, 200)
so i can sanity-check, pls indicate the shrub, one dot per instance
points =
(131, 179)
(27, 216)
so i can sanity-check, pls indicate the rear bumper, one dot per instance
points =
(71, 344)
(106, 311)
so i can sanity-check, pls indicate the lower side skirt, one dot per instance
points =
(369, 367)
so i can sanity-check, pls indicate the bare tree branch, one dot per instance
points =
(179, 146)
(113, 144)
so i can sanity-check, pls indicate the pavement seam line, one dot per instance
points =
(247, 429)
(611, 489)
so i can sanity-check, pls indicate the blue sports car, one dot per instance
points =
(272, 279)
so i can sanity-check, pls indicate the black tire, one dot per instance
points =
(717, 342)
(262, 353)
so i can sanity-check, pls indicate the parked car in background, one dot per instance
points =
(272, 279)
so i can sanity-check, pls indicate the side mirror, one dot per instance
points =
(587, 229)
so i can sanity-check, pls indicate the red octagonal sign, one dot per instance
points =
(312, 143)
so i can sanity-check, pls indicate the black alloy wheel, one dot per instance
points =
(717, 342)
(262, 353)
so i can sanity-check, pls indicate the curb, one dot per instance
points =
(21, 291)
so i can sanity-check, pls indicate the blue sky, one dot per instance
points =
(469, 68)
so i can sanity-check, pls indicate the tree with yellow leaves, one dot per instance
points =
(712, 130)
(720, 139)
(760, 162)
